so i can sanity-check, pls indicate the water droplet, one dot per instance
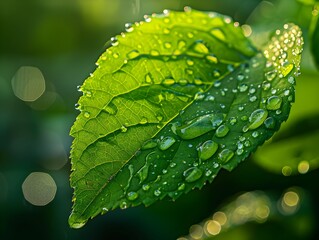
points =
(132, 54)
(208, 173)
(167, 45)
(154, 52)
(217, 84)
(181, 187)
(230, 67)
(222, 131)
(166, 143)
(148, 78)
(212, 58)
(247, 143)
(198, 81)
(252, 98)
(86, 114)
(257, 118)
(240, 77)
(149, 144)
(232, 121)
(270, 123)
(123, 129)
(114, 41)
(207, 150)
(115, 55)
(111, 109)
(291, 80)
(266, 86)
(241, 108)
(200, 47)
(168, 81)
(104, 210)
(123, 205)
(129, 27)
(157, 192)
(216, 73)
(146, 187)
(218, 33)
(200, 125)
(192, 174)
(239, 151)
(190, 35)
(271, 75)
(273, 103)
(243, 87)
(132, 196)
(255, 134)
(225, 155)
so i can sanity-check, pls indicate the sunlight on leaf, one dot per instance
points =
(175, 99)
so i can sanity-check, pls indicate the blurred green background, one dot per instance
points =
(61, 40)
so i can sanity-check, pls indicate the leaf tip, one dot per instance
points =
(75, 222)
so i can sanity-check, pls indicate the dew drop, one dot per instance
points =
(86, 114)
(212, 58)
(240, 77)
(239, 151)
(257, 118)
(291, 80)
(207, 150)
(111, 109)
(225, 155)
(218, 33)
(129, 27)
(166, 143)
(132, 54)
(123, 129)
(154, 52)
(192, 174)
(222, 131)
(146, 187)
(266, 86)
(255, 134)
(149, 144)
(271, 75)
(132, 196)
(200, 125)
(252, 98)
(200, 47)
(123, 205)
(190, 62)
(167, 45)
(148, 79)
(270, 123)
(114, 41)
(232, 121)
(157, 192)
(168, 81)
(243, 87)
(181, 187)
(273, 103)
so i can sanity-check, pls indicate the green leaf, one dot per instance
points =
(314, 34)
(174, 100)
(294, 149)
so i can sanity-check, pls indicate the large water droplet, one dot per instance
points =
(129, 27)
(257, 118)
(212, 58)
(192, 174)
(149, 144)
(222, 131)
(207, 150)
(270, 123)
(114, 41)
(225, 155)
(273, 103)
(132, 196)
(200, 125)
(166, 143)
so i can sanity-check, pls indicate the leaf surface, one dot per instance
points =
(174, 100)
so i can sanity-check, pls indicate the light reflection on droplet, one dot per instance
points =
(291, 199)
(28, 83)
(247, 30)
(39, 188)
(303, 167)
(289, 203)
(262, 212)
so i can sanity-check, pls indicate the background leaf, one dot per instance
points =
(163, 116)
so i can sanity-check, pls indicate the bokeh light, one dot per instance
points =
(39, 188)
(28, 83)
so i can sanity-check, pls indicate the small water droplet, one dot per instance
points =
(225, 155)
(154, 52)
(149, 144)
(146, 187)
(255, 134)
(222, 131)
(157, 192)
(190, 62)
(252, 98)
(240, 77)
(291, 80)
(104, 210)
(208, 173)
(166, 143)
(167, 45)
(218, 33)
(86, 114)
(266, 86)
(273, 103)
(270, 123)
(132, 196)
(114, 41)
(207, 150)
(111, 109)
(129, 27)
(243, 87)
(212, 58)
(123, 205)
(123, 129)
(192, 174)
(115, 55)
(200, 125)
(239, 151)
(216, 73)
(181, 187)
(168, 81)
(271, 75)
(232, 121)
